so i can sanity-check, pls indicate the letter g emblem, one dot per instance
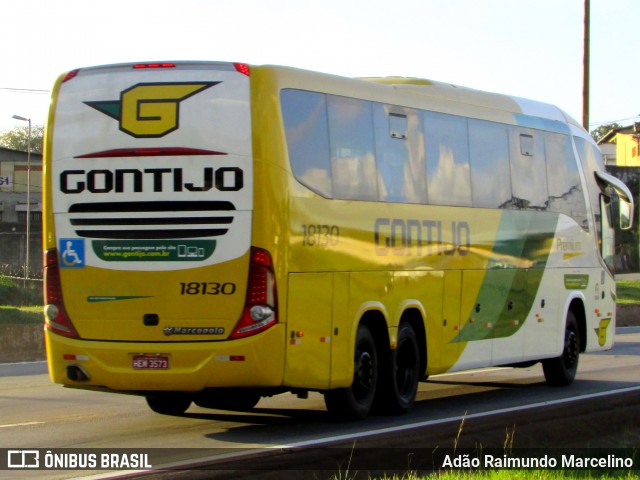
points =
(152, 109)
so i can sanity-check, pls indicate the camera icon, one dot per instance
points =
(23, 459)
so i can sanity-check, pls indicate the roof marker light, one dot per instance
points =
(70, 75)
(242, 68)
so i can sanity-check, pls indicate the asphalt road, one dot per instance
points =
(482, 409)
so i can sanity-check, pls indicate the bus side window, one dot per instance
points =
(591, 159)
(397, 125)
(490, 177)
(305, 122)
(399, 156)
(353, 165)
(528, 169)
(565, 188)
(447, 152)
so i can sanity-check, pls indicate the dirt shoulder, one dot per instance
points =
(628, 316)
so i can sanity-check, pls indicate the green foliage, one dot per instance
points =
(602, 130)
(13, 293)
(21, 315)
(18, 138)
(6, 281)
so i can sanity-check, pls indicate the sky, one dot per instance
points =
(527, 48)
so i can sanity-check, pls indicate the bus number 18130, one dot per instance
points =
(320, 235)
(207, 288)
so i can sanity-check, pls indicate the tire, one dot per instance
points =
(169, 404)
(355, 402)
(561, 371)
(239, 402)
(401, 383)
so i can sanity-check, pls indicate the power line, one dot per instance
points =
(597, 124)
(24, 90)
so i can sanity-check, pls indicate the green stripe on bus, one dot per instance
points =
(513, 276)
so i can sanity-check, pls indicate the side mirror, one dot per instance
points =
(621, 199)
(626, 214)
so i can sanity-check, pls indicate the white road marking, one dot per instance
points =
(26, 424)
(469, 372)
(248, 453)
(410, 426)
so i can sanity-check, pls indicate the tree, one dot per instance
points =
(602, 130)
(17, 138)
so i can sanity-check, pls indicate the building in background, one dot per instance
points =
(13, 213)
(621, 146)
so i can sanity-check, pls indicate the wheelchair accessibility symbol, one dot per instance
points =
(71, 252)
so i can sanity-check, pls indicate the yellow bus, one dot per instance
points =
(218, 232)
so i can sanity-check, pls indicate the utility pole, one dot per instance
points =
(26, 265)
(585, 72)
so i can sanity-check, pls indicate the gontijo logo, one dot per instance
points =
(150, 110)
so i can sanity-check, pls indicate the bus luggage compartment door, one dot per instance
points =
(309, 330)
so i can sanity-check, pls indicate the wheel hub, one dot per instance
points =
(364, 370)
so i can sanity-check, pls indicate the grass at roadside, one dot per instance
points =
(21, 315)
(628, 292)
(505, 475)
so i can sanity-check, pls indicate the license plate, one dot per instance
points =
(150, 362)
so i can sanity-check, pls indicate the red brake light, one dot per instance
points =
(243, 68)
(56, 318)
(260, 309)
(138, 66)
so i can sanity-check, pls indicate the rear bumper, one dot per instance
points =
(256, 361)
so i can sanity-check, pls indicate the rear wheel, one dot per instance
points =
(169, 404)
(354, 402)
(404, 373)
(561, 371)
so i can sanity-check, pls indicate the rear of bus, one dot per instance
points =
(151, 280)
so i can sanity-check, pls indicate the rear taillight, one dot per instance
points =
(260, 309)
(56, 318)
